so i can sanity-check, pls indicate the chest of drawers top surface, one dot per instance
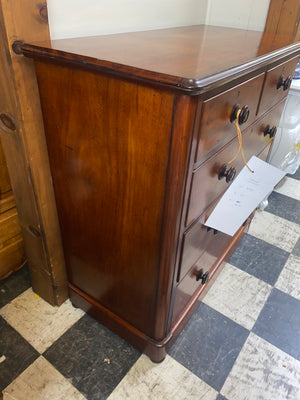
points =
(191, 58)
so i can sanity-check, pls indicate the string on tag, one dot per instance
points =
(240, 149)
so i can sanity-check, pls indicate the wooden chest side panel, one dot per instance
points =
(108, 143)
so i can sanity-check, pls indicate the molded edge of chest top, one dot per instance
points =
(192, 59)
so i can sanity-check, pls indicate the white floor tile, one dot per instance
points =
(238, 295)
(263, 372)
(289, 279)
(275, 230)
(291, 188)
(41, 381)
(38, 322)
(168, 380)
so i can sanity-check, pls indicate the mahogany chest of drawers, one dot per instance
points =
(140, 130)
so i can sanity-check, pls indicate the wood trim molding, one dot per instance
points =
(25, 149)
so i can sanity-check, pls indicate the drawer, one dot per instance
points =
(277, 84)
(201, 244)
(219, 249)
(195, 240)
(7, 201)
(189, 284)
(12, 256)
(205, 185)
(215, 127)
(265, 128)
(4, 178)
(9, 226)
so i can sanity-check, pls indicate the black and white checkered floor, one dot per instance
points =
(243, 343)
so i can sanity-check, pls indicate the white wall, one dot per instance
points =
(72, 18)
(247, 14)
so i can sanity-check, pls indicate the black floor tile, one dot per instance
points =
(14, 285)
(220, 397)
(92, 357)
(279, 322)
(17, 354)
(296, 175)
(260, 259)
(284, 206)
(209, 345)
(296, 249)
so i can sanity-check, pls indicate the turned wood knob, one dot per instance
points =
(204, 277)
(215, 230)
(229, 174)
(285, 83)
(270, 131)
(244, 114)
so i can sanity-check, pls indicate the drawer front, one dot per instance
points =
(9, 226)
(215, 127)
(12, 256)
(219, 249)
(7, 201)
(205, 185)
(195, 241)
(202, 246)
(276, 84)
(265, 128)
(4, 178)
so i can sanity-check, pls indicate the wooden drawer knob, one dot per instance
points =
(270, 131)
(215, 230)
(229, 174)
(244, 114)
(204, 277)
(285, 83)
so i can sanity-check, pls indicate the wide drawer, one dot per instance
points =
(195, 240)
(206, 186)
(276, 84)
(215, 128)
(201, 243)
(218, 250)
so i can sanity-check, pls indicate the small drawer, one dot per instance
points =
(7, 201)
(4, 177)
(215, 128)
(206, 185)
(201, 245)
(195, 241)
(266, 127)
(12, 256)
(219, 250)
(9, 226)
(277, 83)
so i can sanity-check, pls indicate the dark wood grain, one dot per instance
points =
(192, 58)
(125, 116)
(109, 159)
(186, 294)
(206, 186)
(215, 128)
(184, 126)
(271, 95)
